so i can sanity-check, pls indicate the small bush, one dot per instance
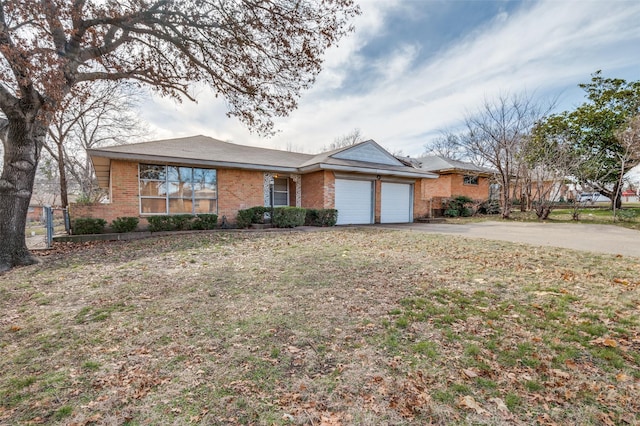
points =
(160, 223)
(181, 222)
(626, 215)
(251, 215)
(321, 217)
(124, 224)
(451, 213)
(288, 217)
(489, 207)
(88, 225)
(458, 206)
(205, 221)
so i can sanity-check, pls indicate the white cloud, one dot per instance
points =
(548, 46)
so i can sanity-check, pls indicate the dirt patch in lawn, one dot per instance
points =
(356, 326)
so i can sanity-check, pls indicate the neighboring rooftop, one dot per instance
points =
(439, 164)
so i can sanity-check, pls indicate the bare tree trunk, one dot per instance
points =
(21, 156)
(506, 200)
(62, 161)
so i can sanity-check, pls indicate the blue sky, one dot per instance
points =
(414, 68)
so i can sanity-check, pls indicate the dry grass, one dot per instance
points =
(323, 328)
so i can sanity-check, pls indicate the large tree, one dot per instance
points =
(598, 133)
(257, 54)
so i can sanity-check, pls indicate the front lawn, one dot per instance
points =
(334, 327)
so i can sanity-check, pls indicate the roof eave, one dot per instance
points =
(367, 170)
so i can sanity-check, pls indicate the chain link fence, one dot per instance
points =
(43, 223)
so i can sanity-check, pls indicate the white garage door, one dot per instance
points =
(396, 203)
(354, 201)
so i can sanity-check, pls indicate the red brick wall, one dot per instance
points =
(124, 194)
(238, 190)
(377, 197)
(440, 187)
(318, 190)
(476, 192)
(452, 185)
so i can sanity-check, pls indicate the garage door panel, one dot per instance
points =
(354, 201)
(396, 203)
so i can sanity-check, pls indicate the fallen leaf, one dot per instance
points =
(469, 403)
(604, 342)
(571, 364)
(621, 377)
(469, 373)
(293, 349)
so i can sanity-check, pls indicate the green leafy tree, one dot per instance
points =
(258, 55)
(596, 133)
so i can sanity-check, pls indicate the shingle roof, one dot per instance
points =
(210, 152)
(439, 164)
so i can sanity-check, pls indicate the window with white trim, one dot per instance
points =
(177, 190)
(280, 192)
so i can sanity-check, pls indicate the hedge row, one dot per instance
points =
(286, 217)
(280, 217)
(182, 222)
(90, 225)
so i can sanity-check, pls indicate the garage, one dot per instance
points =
(354, 201)
(396, 202)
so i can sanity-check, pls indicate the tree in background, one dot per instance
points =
(596, 132)
(446, 145)
(348, 139)
(107, 116)
(551, 162)
(496, 135)
(258, 55)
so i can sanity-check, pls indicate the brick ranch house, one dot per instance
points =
(199, 174)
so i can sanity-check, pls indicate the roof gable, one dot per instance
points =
(368, 152)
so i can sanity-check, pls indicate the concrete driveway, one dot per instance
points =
(607, 239)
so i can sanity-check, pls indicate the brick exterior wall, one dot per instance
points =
(124, 196)
(318, 190)
(238, 190)
(377, 209)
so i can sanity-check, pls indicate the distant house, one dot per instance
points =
(630, 196)
(199, 174)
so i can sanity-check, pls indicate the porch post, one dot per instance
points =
(297, 179)
(267, 188)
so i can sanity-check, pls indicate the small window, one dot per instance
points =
(470, 180)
